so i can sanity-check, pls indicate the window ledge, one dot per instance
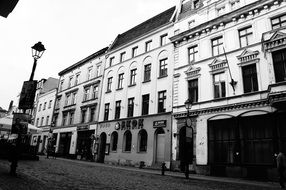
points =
(69, 105)
(108, 91)
(119, 89)
(89, 100)
(132, 85)
(145, 81)
(163, 76)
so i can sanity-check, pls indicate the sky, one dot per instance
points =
(70, 30)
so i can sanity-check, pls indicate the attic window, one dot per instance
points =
(220, 10)
(196, 4)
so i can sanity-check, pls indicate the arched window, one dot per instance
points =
(142, 139)
(127, 141)
(114, 140)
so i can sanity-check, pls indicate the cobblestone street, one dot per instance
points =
(68, 174)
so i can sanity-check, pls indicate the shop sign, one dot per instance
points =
(83, 127)
(104, 125)
(129, 124)
(160, 123)
(27, 95)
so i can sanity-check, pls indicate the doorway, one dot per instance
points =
(160, 145)
(102, 144)
(186, 146)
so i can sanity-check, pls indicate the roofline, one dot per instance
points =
(94, 55)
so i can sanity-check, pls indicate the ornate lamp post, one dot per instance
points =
(187, 157)
(37, 52)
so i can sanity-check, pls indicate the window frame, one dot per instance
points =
(280, 23)
(246, 36)
(163, 67)
(133, 77)
(134, 51)
(163, 39)
(122, 56)
(222, 89)
(162, 97)
(109, 83)
(147, 72)
(145, 104)
(130, 107)
(117, 109)
(193, 90)
(218, 45)
(194, 53)
(120, 81)
(106, 111)
(148, 46)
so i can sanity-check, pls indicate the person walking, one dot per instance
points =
(281, 160)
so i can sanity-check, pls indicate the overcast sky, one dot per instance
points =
(69, 29)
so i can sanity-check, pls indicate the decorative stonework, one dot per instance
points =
(274, 40)
(192, 72)
(247, 56)
(218, 65)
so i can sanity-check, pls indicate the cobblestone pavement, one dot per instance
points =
(65, 174)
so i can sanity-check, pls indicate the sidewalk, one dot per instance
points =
(178, 174)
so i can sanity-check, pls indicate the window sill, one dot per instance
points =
(119, 89)
(163, 76)
(132, 85)
(109, 91)
(145, 81)
(126, 151)
(69, 106)
(89, 100)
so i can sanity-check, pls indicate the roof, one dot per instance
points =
(143, 28)
(7, 6)
(96, 54)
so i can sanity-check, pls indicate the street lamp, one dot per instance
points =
(188, 145)
(37, 52)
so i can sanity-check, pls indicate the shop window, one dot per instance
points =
(142, 138)
(249, 75)
(193, 90)
(127, 140)
(279, 62)
(114, 141)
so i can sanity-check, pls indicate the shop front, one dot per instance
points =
(135, 141)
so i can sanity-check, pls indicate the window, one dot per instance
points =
(111, 61)
(40, 107)
(50, 104)
(249, 75)
(219, 85)
(109, 82)
(220, 11)
(147, 72)
(161, 101)
(106, 111)
(132, 77)
(163, 39)
(134, 51)
(196, 4)
(64, 118)
(70, 82)
(73, 99)
(76, 81)
(191, 24)
(278, 22)
(37, 122)
(279, 63)
(145, 104)
(83, 114)
(58, 103)
(130, 107)
(92, 114)
(71, 118)
(142, 138)
(56, 119)
(235, 4)
(47, 120)
(114, 141)
(193, 90)
(176, 31)
(61, 85)
(117, 109)
(89, 73)
(122, 56)
(45, 105)
(245, 36)
(193, 54)
(67, 99)
(97, 70)
(120, 81)
(42, 121)
(127, 141)
(94, 92)
(86, 94)
(217, 46)
(163, 68)
(148, 46)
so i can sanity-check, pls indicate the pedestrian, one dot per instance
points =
(281, 160)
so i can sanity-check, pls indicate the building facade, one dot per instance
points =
(136, 104)
(77, 105)
(230, 61)
(43, 119)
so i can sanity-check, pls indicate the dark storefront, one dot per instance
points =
(84, 144)
(64, 144)
(246, 146)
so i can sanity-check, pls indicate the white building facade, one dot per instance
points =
(77, 105)
(236, 129)
(136, 104)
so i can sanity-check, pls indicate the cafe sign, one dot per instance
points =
(159, 123)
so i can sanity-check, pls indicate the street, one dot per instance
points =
(70, 174)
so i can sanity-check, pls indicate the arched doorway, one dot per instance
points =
(160, 145)
(101, 151)
(186, 146)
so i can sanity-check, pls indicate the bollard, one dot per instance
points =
(163, 168)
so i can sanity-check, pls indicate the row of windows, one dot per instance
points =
(45, 106)
(130, 106)
(134, 51)
(127, 141)
(42, 121)
(75, 80)
(163, 72)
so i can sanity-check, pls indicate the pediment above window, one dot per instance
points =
(274, 40)
(218, 65)
(248, 56)
(192, 72)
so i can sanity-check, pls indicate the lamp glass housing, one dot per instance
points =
(38, 50)
(188, 104)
